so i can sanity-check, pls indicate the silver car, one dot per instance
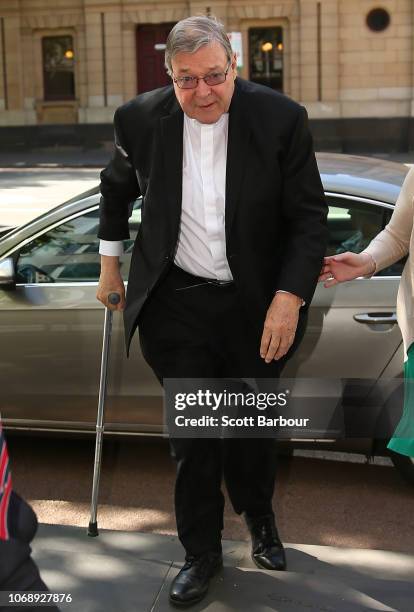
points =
(51, 322)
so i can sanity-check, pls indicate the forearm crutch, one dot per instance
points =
(113, 298)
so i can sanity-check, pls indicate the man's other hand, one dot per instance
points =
(110, 281)
(280, 326)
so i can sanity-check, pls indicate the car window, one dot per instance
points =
(352, 226)
(70, 251)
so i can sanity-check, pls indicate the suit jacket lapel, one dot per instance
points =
(172, 146)
(237, 147)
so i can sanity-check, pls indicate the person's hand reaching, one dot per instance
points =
(346, 266)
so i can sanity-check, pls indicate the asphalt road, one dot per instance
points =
(26, 193)
(316, 501)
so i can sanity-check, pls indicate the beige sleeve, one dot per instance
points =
(393, 242)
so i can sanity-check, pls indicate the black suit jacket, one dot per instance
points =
(275, 218)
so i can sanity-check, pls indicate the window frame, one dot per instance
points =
(280, 27)
(364, 200)
(14, 251)
(57, 98)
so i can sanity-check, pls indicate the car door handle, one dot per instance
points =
(373, 318)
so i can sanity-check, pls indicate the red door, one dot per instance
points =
(151, 40)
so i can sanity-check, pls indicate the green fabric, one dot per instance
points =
(403, 438)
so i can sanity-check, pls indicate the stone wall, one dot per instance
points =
(333, 63)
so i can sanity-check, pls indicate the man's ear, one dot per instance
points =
(234, 65)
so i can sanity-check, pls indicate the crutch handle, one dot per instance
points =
(114, 298)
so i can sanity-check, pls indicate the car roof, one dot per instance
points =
(365, 177)
(349, 175)
(354, 175)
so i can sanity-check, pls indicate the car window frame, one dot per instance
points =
(362, 200)
(14, 252)
(16, 249)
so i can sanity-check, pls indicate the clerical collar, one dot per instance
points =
(196, 122)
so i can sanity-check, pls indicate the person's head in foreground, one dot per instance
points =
(202, 65)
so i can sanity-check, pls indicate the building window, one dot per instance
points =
(266, 56)
(378, 20)
(58, 68)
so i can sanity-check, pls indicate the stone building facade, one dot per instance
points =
(350, 62)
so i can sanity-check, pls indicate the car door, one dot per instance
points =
(51, 332)
(352, 330)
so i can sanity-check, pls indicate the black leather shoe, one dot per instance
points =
(192, 581)
(267, 549)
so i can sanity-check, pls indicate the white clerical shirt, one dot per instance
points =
(201, 248)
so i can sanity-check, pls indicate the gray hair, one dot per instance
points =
(189, 35)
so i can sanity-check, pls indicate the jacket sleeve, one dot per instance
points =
(119, 189)
(393, 242)
(304, 215)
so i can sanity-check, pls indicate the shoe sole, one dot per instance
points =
(186, 604)
(269, 569)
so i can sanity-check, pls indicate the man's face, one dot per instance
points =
(206, 103)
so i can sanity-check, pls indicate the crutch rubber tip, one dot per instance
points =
(93, 530)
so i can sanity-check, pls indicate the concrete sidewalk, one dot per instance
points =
(132, 572)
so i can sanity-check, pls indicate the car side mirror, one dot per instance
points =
(7, 274)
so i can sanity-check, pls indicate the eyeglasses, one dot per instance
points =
(191, 82)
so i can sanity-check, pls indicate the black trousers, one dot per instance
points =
(191, 329)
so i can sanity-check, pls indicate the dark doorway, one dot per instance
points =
(151, 40)
(266, 56)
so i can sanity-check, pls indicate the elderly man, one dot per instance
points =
(224, 267)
